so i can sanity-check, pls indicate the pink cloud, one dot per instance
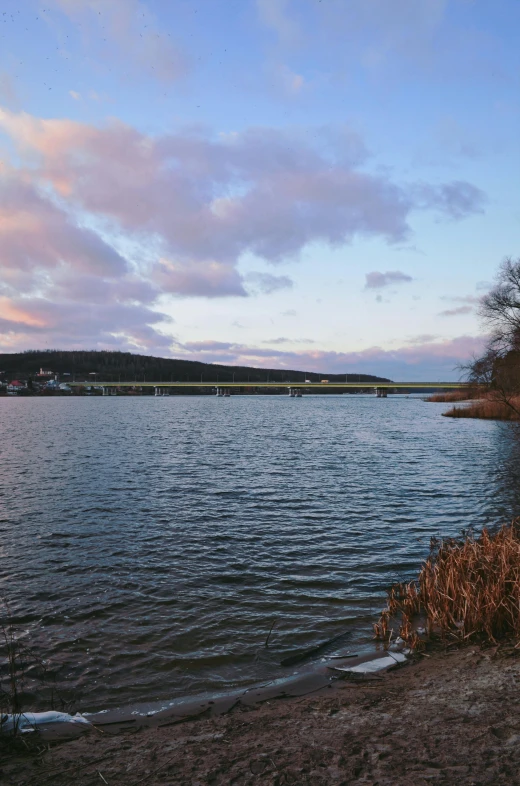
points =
(184, 206)
(263, 191)
(207, 279)
(27, 322)
(35, 234)
(426, 361)
(62, 284)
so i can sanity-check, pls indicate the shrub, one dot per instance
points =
(486, 410)
(467, 588)
(453, 395)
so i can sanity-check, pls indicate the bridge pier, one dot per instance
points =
(381, 392)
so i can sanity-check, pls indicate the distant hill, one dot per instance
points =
(127, 367)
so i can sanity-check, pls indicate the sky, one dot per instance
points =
(324, 185)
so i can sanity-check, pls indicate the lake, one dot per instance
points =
(148, 545)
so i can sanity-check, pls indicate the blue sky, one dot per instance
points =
(318, 184)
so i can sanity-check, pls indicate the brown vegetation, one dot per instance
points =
(487, 409)
(466, 589)
(454, 395)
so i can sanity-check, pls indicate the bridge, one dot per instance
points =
(381, 388)
(311, 385)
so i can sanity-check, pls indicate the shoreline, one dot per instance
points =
(451, 716)
(315, 675)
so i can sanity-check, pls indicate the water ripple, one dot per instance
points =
(148, 545)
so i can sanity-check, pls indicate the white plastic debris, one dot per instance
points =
(29, 721)
(378, 664)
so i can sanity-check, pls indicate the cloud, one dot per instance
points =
(62, 284)
(283, 340)
(456, 312)
(75, 95)
(461, 298)
(266, 283)
(138, 217)
(455, 200)
(263, 191)
(130, 28)
(422, 338)
(427, 361)
(376, 280)
(35, 234)
(468, 301)
(200, 279)
(30, 322)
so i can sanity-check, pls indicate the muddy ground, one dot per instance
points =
(452, 718)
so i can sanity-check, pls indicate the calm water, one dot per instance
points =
(148, 544)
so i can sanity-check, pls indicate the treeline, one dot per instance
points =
(126, 367)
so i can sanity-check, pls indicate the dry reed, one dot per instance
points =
(466, 589)
(452, 396)
(486, 410)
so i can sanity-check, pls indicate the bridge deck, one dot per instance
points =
(305, 385)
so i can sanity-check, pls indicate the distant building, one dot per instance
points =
(45, 372)
(15, 386)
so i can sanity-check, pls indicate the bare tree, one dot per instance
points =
(499, 367)
(505, 386)
(500, 308)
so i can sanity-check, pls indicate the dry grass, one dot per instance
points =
(486, 410)
(452, 396)
(466, 589)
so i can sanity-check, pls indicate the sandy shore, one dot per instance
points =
(452, 718)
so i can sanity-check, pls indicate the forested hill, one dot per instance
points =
(126, 367)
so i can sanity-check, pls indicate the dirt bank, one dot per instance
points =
(452, 718)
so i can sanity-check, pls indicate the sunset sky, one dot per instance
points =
(327, 185)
